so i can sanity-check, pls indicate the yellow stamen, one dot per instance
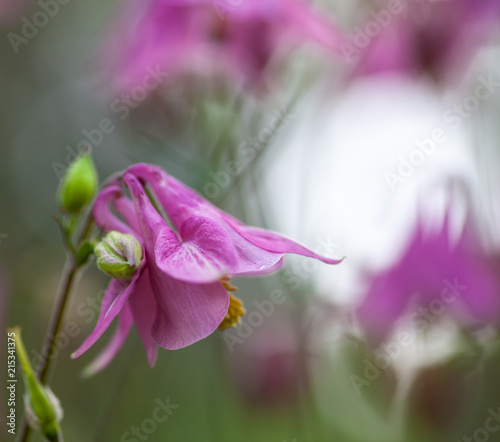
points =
(235, 310)
(228, 286)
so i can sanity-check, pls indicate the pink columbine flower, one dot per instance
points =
(435, 276)
(178, 293)
(238, 37)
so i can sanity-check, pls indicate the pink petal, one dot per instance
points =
(143, 305)
(103, 216)
(125, 207)
(114, 300)
(481, 289)
(386, 301)
(251, 258)
(204, 255)
(149, 220)
(186, 312)
(182, 203)
(265, 271)
(273, 242)
(114, 345)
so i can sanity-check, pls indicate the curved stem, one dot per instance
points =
(68, 279)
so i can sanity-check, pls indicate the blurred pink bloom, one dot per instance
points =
(439, 38)
(179, 293)
(435, 276)
(238, 37)
(271, 368)
(11, 11)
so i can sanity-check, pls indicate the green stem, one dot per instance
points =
(68, 279)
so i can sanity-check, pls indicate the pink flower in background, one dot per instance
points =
(271, 369)
(439, 38)
(179, 293)
(205, 36)
(12, 11)
(435, 276)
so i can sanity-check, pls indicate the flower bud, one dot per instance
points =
(119, 255)
(47, 424)
(43, 409)
(78, 185)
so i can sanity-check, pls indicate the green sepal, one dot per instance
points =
(84, 252)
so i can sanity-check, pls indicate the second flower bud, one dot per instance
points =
(119, 255)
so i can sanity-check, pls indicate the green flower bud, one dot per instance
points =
(78, 185)
(48, 427)
(43, 409)
(119, 255)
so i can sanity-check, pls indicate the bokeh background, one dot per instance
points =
(321, 127)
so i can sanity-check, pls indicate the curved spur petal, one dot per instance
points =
(103, 216)
(179, 201)
(149, 220)
(125, 207)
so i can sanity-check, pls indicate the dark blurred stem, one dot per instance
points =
(68, 279)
